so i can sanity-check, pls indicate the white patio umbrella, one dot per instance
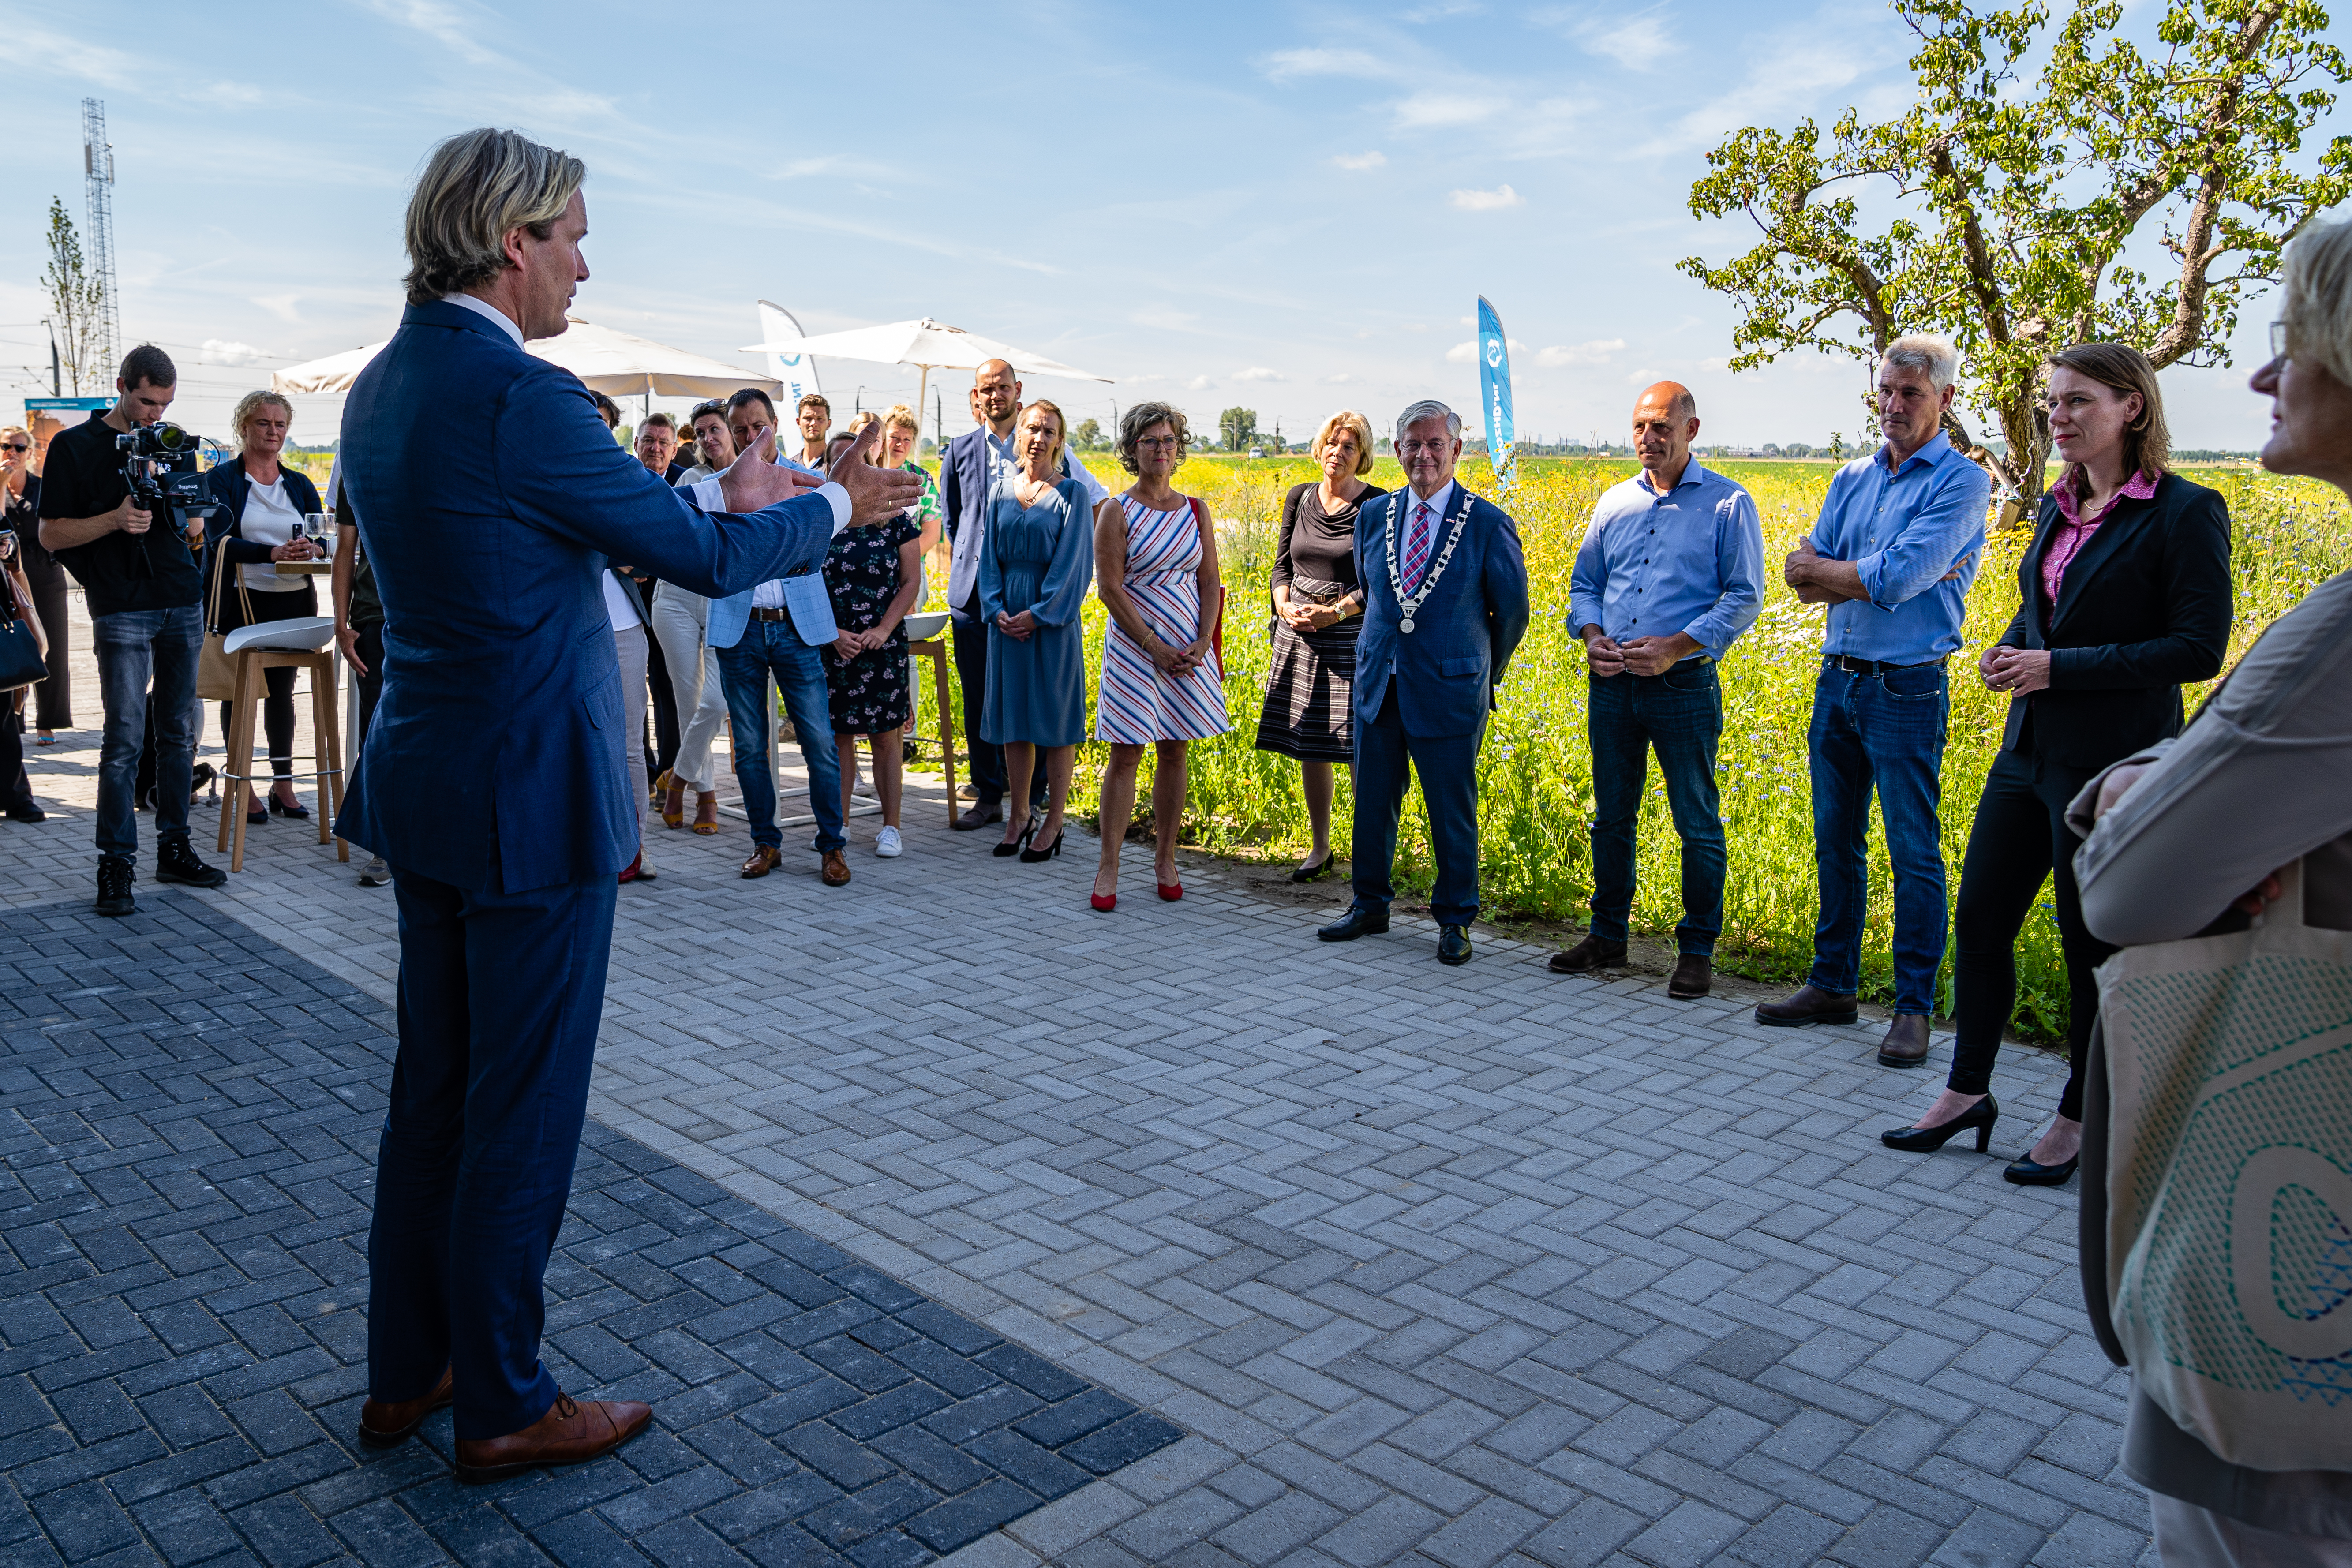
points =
(927, 344)
(616, 363)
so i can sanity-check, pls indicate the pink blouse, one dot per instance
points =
(2067, 538)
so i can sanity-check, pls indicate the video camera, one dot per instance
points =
(159, 463)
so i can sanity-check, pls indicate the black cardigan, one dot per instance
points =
(223, 541)
(2144, 608)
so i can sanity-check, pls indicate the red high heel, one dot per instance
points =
(1171, 892)
(1103, 901)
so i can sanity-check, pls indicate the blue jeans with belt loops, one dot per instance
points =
(1881, 731)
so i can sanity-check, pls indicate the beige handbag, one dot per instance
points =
(215, 671)
(2229, 1190)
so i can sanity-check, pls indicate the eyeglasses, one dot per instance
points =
(1408, 448)
(16, 445)
(716, 405)
(2278, 339)
(1158, 442)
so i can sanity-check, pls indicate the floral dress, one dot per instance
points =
(869, 693)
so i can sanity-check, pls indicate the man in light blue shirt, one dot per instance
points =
(1671, 571)
(1893, 555)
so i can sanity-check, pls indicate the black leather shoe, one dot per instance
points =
(1810, 1004)
(1905, 1044)
(114, 876)
(28, 813)
(1588, 956)
(1452, 945)
(1694, 977)
(2026, 1173)
(1927, 1140)
(1361, 919)
(176, 861)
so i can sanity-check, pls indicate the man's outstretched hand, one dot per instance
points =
(754, 481)
(874, 493)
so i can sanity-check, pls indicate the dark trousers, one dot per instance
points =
(15, 784)
(988, 777)
(1679, 715)
(52, 707)
(2019, 838)
(368, 641)
(1448, 765)
(1881, 733)
(488, 1093)
(663, 710)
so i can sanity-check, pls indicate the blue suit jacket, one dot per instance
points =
(1446, 670)
(490, 499)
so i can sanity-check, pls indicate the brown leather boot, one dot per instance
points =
(1905, 1044)
(1588, 956)
(383, 1422)
(1693, 976)
(834, 872)
(569, 1434)
(1810, 1004)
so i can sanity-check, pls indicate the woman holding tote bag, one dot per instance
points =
(2216, 1158)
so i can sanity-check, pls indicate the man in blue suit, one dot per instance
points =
(491, 499)
(1445, 603)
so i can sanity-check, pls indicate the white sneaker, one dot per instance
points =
(887, 845)
(858, 787)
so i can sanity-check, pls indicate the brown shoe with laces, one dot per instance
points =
(764, 859)
(383, 1422)
(569, 1433)
(834, 872)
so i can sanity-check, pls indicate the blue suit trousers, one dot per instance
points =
(1386, 759)
(474, 1169)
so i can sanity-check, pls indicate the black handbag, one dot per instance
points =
(20, 650)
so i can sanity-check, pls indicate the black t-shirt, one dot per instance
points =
(154, 571)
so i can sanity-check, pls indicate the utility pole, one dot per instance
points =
(98, 173)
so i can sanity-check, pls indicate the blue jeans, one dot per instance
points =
(1883, 731)
(136, 648)
(1679, 715)
(773, 646)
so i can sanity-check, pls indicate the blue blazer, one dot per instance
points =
(1447, 669)
(491, 499)
(724, 626)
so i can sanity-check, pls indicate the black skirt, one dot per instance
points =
(1309, 710)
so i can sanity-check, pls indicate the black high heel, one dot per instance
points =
(1927, 1140)
(1031, 856)
(1310, 873)
(2026, 1171)
(1016, 846)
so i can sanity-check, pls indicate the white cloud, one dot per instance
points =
(1285, 64)
(219, 351)
(279, 305)
(1487, 201)
(1259, 373)
(1722, 363)
(1597, 352)
(1424, 110)
(1338, 378)
(1467, 354)
(1638, 42)
(1199, 384)
(1371, 159)
(1442, 9)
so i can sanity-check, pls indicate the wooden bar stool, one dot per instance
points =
(937, 648)
(244, 712)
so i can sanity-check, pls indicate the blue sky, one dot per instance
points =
(1287, 206)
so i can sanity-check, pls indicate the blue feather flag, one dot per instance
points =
(1495, 394)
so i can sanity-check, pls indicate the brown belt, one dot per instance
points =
(759, 615)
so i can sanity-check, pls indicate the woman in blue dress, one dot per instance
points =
(1036, 561)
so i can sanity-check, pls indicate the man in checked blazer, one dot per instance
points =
(1445, 603)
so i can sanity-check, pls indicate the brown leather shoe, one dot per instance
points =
(1905, 1044)
(766, 857)
(385, 1422)
(1588, 956)
(1693, 976)
(569, 1434)
(1810, 1004)
(834, 872)
(980, 816)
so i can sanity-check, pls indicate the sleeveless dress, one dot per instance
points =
(1138, 704)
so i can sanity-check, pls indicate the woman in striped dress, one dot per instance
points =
(1162, 684)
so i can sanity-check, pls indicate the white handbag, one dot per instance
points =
(2229, 1212)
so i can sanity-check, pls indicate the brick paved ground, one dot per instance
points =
(1435, 1266)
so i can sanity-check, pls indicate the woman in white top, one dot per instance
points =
(261, 524)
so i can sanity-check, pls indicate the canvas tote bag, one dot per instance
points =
(215, 671)
(2229, 1221)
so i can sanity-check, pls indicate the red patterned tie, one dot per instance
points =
(1416, 547)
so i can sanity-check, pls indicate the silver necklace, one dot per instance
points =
(1436, 568)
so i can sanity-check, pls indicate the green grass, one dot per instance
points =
(1535, 774)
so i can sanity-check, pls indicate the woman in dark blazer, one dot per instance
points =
(263, 506)
(2126, 596)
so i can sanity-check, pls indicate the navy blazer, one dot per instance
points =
(490, 499)
(1447, 667)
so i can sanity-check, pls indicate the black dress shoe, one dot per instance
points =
(1810, 1004)
(1310, 873)
(280, 808)
(2026, 1173)
(1031, 856)
(28, 813)
(1927, 1140)
(1592, 954)
(1452, 945)
(1361, 919)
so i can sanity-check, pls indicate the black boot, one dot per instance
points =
(176, 861)
(114, 876)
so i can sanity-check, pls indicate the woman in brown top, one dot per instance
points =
(1318, 606)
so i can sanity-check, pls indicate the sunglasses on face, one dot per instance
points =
(16, 445)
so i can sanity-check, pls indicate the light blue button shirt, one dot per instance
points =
(1689, 561)
(1904, 529)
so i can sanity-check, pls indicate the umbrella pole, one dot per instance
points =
(922, 396)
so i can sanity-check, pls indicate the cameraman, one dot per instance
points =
(142, 588)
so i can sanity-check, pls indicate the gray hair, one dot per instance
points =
(1926, 351)
(477, 187)
(1429, 408)
(1142, 417)
(2318, 304)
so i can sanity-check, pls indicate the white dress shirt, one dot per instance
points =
(710, 497)
(484, 308)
